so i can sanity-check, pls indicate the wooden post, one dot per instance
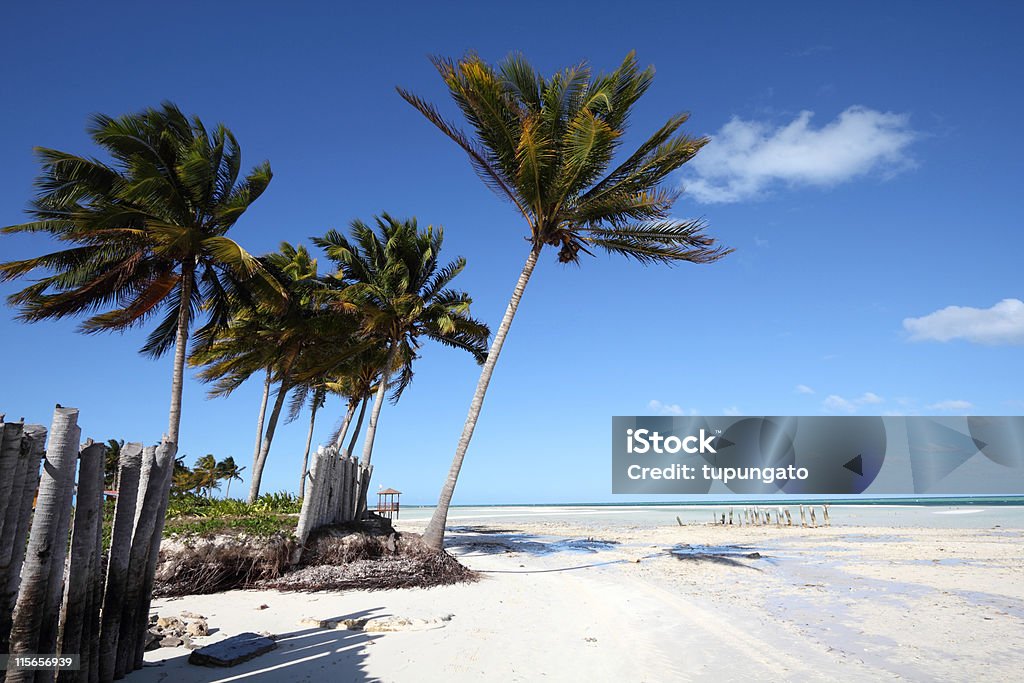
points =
(88, 514)
(10, 503)
(730, 516)
(789, 518)
(35, 445)
(138, 558)
(129, 474)
(55, 586)
(824, 513)
(142, 621)
(814, 522)
(10, 454)
(61, 455)
(803, 516)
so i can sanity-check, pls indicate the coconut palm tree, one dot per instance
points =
(401, 295)
(145, 232)
(283, 341)
(228, 470)
(546, 146)
(207, 474)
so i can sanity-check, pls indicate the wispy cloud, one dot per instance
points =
(803, 389)
(731, 410)
(1003, 323)
(837, 404)
(748, 158)
(951, 405)
(658, 408)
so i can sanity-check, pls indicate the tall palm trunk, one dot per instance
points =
(378, 401)
(434, 533)
(180, 347)
(340, 438)
(262, 417)
(268, 437)
(359, 426)
(309, 444)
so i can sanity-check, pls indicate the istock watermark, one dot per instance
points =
(818, 455)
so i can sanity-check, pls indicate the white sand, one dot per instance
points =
(836, 604)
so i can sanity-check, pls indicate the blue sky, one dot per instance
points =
(866, 165)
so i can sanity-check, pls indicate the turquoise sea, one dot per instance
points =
(976, 513)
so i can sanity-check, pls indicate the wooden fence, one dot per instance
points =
(336, 491)
(67, 598)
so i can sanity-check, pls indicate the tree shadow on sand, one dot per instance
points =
(310, 654)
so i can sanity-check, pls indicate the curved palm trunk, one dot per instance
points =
(378, 401)
(262, 417)
(268, 437)
(359, 427)
(433, 536)
(345, 424)
(309, 443)
(180, 347)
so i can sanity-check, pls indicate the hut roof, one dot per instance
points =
(389, 491)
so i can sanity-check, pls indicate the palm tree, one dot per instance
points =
(146, 232)
(280, 341)
(228, 470)
(546, 146)
(207, 474)
(111, 464)
(401, 293)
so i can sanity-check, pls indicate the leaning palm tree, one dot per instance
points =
(546, 146)
(401, 294)
(279, 341)
(229, 471)
(145, 232)
(207, 475)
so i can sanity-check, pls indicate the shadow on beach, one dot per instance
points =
(310, 654)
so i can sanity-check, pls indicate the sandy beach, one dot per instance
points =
(568, 598)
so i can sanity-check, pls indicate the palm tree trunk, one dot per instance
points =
(58, 472)
(433, 536)
(227, 489)
(371, 428)
(340, 438)
(359, 426)
(262, 417)
(378, 401)
(309, 443)
(180, 347)
(268, 437)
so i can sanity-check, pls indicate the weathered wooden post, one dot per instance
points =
(165, 453)
(814, 522)
(10, 452)
(730, 516)
(77, 608)
(138, 559)
(129, 468)
(789, 518)
(43, 543)
(35, 446)
(824, 513)
(803, 516)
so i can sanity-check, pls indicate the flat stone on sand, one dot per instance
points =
(232, 651)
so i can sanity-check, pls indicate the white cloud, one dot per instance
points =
(952, 406)
(837, 404)
(659, 408)
(731, 410)
(747, 158)
(1003, 323)
(803, 389)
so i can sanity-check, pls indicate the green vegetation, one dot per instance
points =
(189, 513)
